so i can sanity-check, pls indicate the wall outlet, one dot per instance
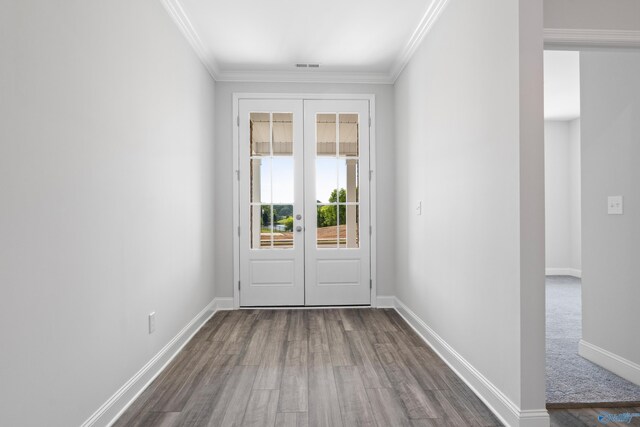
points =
(152, 322)
(615, 205)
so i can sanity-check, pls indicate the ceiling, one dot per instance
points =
(561, 85)
(366, 41)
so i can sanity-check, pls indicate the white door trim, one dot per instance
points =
(236, 165)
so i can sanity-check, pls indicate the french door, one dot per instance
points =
(304, 202)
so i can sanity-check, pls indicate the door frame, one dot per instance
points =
(237, 96)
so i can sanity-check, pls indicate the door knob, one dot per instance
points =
(299, 228)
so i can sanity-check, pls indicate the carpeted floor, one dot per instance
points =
(573, 381)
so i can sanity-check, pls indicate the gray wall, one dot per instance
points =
(562, 197)
(385, 149)
(610, 98)
(469, 136)
(592, 14)
(106, 189)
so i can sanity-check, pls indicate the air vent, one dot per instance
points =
(301, 65)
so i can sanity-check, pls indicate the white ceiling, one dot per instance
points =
(561, 85)
(355, 40)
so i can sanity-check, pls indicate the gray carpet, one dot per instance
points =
(573, 381)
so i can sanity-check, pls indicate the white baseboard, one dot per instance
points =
(627, 369)
(109, 412)
(507, 411)
(223, 304)
(385, 301)
(564, 272)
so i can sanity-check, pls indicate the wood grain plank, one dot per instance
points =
(159, 419)
(298, 326)
(338, 344)
(261, 409)
(184, 380)
(318, 339)
(365, 357)
(354, 403)
(414, 398)
(387, 407)
(238, 390)
(292, 419)
(351, 320)
(294, 389)
(255, 347)
(324, 408)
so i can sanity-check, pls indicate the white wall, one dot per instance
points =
(469, 133)
(562, 197)
(610, 90)
(575, 185)
(106, 189)
(385, 169)
(592, 14)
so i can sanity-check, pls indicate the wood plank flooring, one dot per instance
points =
(334, 367)
(588, 417)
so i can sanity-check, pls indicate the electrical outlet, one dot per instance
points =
(152, 322)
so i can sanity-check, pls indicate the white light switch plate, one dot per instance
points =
(615, 205)
(419, 208)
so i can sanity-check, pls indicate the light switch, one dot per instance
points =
(419, 208)
(614, 205)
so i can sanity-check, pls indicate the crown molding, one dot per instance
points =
(591, 38)
(176, 11)
(304, 77)
(428, 19)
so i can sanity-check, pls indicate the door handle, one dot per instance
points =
(299, 228)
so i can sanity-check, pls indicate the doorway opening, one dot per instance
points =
(573, 380)
(304, 191)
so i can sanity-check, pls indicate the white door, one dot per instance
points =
(304, 202)
(271, 194)
(337, 257)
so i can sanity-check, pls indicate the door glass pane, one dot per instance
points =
(349, 230)
(282, 179)
(326, 134)
(261, 227)
(326, 178)
(282, 134)
(327, 223)
(348, 179)
(261, 180)
(259, 128)
(348, 145)
(283, 226)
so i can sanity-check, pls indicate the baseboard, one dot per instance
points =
(564, 272)
(385, 301)
(109, 412)
(620, 366)
(507, 411)
(223, 304)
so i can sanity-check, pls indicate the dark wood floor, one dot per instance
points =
(337, 367)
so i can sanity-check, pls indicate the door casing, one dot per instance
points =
(236, 168)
